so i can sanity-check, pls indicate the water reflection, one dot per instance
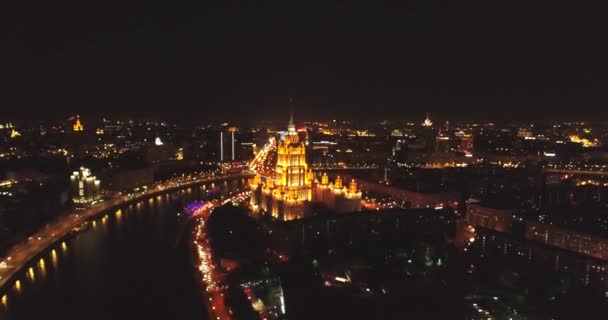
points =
(54, 258)
(31, 275)
(118, 215)
(42, 267)
(18, 286)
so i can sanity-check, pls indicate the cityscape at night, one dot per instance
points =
(332, 160)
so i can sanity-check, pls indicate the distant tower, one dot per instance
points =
(78, 125)
(429, 134)
(427, 121)
(232, 131)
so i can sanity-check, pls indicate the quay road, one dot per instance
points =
(21, 254)
(211, 276)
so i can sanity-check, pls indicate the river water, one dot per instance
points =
(129, 265)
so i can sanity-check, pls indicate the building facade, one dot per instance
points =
(500, 220)
(581, 243)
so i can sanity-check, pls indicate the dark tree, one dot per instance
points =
(235, 235)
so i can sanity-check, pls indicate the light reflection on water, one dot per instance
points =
(54, 258)
(42, 267)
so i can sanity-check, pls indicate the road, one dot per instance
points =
(260, 164)
(21, 254)
(211, 276)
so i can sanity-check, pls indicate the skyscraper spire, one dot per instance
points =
(291, 128)
(291, 111)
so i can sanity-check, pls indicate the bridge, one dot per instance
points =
(335, 168)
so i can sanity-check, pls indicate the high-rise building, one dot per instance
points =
(85, 188)
(292, 183)
(288, 195)
(229, 150)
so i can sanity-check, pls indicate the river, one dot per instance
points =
(128, 265)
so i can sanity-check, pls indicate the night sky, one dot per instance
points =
(455, 59)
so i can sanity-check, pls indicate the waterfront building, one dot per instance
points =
(85, 188)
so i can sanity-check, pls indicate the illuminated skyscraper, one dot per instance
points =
(85, 188)
(288, 195)
(292, 184)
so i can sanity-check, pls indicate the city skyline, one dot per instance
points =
(278, 160)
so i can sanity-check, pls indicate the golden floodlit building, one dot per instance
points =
(288, 196)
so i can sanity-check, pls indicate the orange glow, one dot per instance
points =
(15, 133)
(584, 141)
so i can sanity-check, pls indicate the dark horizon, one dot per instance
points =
(475, 61)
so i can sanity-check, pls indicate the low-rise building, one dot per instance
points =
(581, 243)
(500, 220)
